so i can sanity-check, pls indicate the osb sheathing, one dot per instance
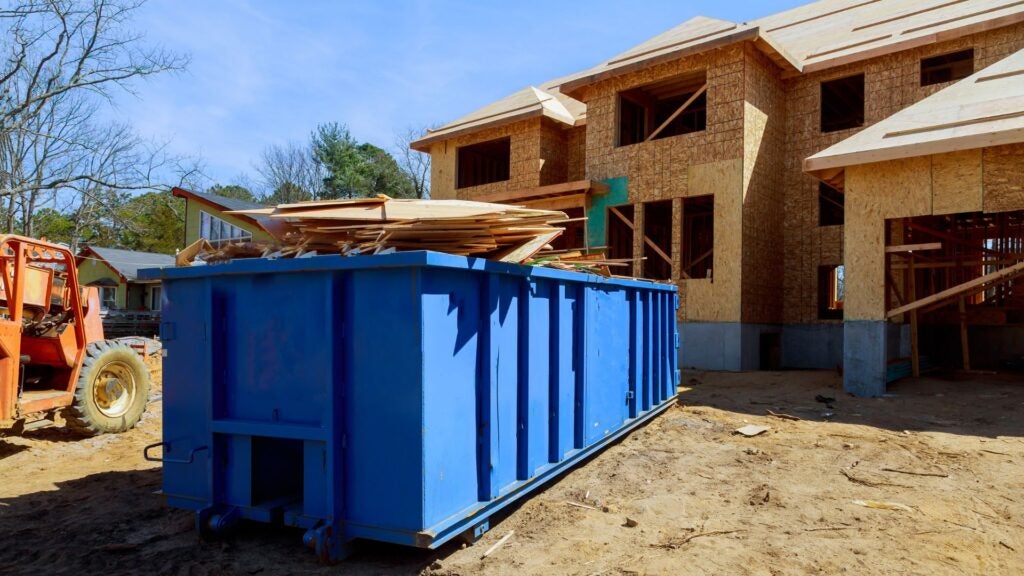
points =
(576, 142)
(891, 83)
(1003, 178)
(700, 163)
(875, 193)
(717, 299)
(991, 179)
(554, 153)
(657, 169)
(525, 165)
(956, 182)
(763, 161)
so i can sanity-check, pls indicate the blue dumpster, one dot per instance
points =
(402, 397)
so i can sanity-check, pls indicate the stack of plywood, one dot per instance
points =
(374, 225)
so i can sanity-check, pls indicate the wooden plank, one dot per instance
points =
(565, 188)
(657, 250)
(556, 202)
(626, 221)
(915, 353)
(678, 111)
(913, 247)
(915, 357)
(964, 349)
(530, 248)
(186, 255)
(956, 124)
(945, 236)
(965, 289)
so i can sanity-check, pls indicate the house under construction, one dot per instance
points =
(837, 185)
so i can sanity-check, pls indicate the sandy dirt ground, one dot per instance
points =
(684, 495)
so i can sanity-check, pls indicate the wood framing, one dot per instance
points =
(919, 149)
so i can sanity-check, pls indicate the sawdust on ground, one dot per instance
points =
(945, 454)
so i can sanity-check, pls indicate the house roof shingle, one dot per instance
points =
(127, 263)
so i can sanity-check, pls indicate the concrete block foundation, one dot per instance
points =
(812, 346)
(865, 354)
(727, 346)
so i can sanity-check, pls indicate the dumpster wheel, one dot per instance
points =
(112, 390)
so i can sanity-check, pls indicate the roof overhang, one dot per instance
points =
(658, 56)
(985, 109)
(546, 105)
(886, 44)
(189, 195)
(423, 144)
(822, 166)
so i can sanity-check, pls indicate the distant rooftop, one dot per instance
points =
(224, 201)
(127, 263)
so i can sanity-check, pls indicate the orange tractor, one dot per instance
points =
(53, 357)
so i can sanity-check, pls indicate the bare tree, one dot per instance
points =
(290, 174)
(414, 164)
(62, 59)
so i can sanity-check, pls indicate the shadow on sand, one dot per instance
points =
(972, 404)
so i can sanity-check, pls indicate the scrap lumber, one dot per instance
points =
(965, 289)
(364, 226)
(361, 226)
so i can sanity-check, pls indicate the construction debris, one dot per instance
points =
(751, 430)
(381, 225)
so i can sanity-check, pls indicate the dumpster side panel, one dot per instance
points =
(383, 400)
(565, 369)
(265, 333)
(607, 359)
(535, 367)
(272, 387)
(498, 389)
(186, 403)
(452, 319)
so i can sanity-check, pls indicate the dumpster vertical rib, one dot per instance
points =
(675, 342)
(523, 400)
(635, 340)
(563, 405)
(486, 392)
(656, 358)
(645, 353)
(580, 357)
(662, 353)
(215, 341)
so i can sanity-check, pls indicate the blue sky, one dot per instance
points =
(267, 72)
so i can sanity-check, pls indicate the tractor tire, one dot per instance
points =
(112, 390)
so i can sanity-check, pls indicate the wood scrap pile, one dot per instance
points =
(574, 260)
(382, 225)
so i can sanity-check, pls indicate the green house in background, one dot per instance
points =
(115, 273)
(205, 217)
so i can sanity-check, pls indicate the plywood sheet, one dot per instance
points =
(1003, 178)
(718, 300)
(956, 182)
(874, 193)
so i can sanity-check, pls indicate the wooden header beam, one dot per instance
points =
(913, 247)
(550, 191)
